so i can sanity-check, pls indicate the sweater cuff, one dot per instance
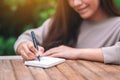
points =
(111, 54)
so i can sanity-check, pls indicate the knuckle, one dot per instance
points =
(33, 58)
(26, 59)
(62, 46)
(29, 45)
(28, 52)
(41, 48)
(29, 58)
(21, 51)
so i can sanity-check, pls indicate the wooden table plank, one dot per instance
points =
(112, 71)
(14, 68)
(1, 70)
(55, 74)
(6, 71)
(21, 71)
(69, 72)
(10, 57)
(86, 73)
(117, 67)
(39, 73)
(97, 70)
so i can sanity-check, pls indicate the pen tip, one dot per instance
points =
(38, 58)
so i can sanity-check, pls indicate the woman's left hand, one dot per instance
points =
(62, 52)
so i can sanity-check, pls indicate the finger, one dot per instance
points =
(60, 56)
(40, 53)
(54, 55)
(24, 56)
(57, 55)
(50, 52)
(41, 49)
(32, 48)
(30, 54)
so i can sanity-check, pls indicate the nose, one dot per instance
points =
(77, 2)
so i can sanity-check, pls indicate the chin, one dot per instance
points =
(85, 16)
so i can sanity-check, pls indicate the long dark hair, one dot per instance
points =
(66, 22)
(109, 7)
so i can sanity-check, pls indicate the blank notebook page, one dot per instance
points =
(45, 62)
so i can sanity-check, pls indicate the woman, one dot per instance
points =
(80, 29)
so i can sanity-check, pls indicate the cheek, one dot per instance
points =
(70, 2)
(93, 7)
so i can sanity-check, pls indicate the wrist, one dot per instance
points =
(77, 53)
(90, 54)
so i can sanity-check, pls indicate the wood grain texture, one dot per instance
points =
(13, 68)
(6, 70)
(55, 74)
(39, 73)
(83, 71)
(112, 72)
(97, 70)
(22, 72)
(69, 72)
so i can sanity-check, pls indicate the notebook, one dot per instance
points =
(45, 62)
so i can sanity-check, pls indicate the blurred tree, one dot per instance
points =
(15, 15)
(18, 15)
(118, 3)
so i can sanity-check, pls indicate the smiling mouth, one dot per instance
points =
(82, 10)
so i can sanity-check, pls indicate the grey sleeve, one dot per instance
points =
(40, 33)
(112, 54)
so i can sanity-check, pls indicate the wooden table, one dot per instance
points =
(12, 68)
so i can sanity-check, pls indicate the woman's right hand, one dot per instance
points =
(28, 51)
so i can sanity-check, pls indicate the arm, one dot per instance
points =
(112, 54)
(75, 53)
(91, 54)
(24, 45)
(40, 33)
(106, 54)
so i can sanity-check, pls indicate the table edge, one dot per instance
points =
(10, 57)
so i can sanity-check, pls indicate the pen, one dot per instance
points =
(35, 43)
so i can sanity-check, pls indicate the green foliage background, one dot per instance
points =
(17, 16)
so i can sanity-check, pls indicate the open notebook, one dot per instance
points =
(45, 62)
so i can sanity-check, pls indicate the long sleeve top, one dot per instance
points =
(103, 34)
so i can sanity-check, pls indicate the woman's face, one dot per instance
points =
(87, 9)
